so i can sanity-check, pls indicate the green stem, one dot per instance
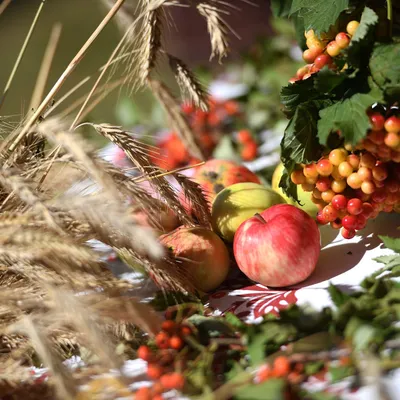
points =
(390, 15)
(21, 53)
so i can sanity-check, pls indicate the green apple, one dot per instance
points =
(305, 197)
(239, 202)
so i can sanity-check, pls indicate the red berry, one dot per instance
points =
(162, 340)
(281, 366)
(339, 202)
(354, 206)
(188, 108)
(154, 371)
(143, 393)
(158, 397)
(310, 55)
(377, 121)
(144, 353)
(333, 49)
(348, 233)
(264, 373)
(176, 343)
(379, 173)
(349, 222)
(324, 167)
(185, 330)
(244, 136)
(392, 124)
(298, 177)
(249, 151)
(310, 171)
(330, 213)
(342, 40)
(173, 380)
(169, 326)
(321, 219)
(231, 107)
(367, 210)
(322, 60)
(379, 196)
(323, 184)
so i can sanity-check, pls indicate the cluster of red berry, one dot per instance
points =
(322, 51)
(208, 126)
(247, 145)
(163, 366)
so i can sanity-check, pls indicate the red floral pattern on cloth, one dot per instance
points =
(248, 300)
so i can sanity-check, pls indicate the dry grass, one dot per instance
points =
(57, 296)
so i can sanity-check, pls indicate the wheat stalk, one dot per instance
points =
(191, 88)
(217, 29)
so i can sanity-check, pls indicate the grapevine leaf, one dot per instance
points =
(319, 14)
(297, 93)
(326, 80)
(385, 67)
(361, 43)
(300, 143)
(348, 116)
(281, 8)
(391, 243)
(337, 296)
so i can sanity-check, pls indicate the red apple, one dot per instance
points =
(279, 247)
(204, 256)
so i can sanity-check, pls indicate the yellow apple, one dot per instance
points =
(239, 202)
(305, 197)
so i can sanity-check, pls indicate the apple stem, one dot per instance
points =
(260, 218)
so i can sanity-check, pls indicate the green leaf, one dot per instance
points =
(234, 321)
(364, 336)
(300, 143)
(361, 43)
(326, 80)
(385, 67)
(340, 372)
(297, 93)
(286, 184)
(391, 243)
(272, 389)
(313, 367)
(348, 116)
(337, 296)
(318, 396)
(281, 8)
(319, 14)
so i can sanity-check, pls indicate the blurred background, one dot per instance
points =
(188, 40)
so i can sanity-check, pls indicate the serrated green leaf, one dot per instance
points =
(385, 66)
(272, 389)
(286, 184)
(361, 43)
(348, 116)
(319, 14)
(326, 80)
(297, 93)
(300, 143)
(281, 8)
(391, 243)
(337, 296)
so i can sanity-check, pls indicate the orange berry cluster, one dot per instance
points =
(322, 51)
(383, 140)
(207, 126)
(282, 367)
(247, 145)
(163, 364)
(350, 188)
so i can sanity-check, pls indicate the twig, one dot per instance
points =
(21, 53)
(46, 65)
(4, 5)
(70, 68)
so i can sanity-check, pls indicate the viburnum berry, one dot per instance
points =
(185, 330)
(244, 136)
(379, 173)
(231, 107)
(306, 76)
(307, 187)
(323, 184)
(157, 397)
(162, 340)
(143, 393)
(302, 71)
(321, 218)
(328, 195)
(354, 181)
(322, 60)
(349, 222)
(249, 151)
(169, 326)
(352, 27)
(367, 210)
(361, 222)
(348, 233)
(364, 173)
(353, 160)
(281, 366)
(377, 121)
(377, 137)
(333, 49)
(338, 186)
(330, 213)
(263, 373)
(392, 124)
(310, 171)
(379, 196)
(354, 206)
(342, 40)
(310, 55)
(392, 140)
(368, 187)
(367, 160)
(173, 380)
(144, 353)
(154, 371)
(298, 177)
(345, 169)
(324, 167)
(176, 343)
(339, 202)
